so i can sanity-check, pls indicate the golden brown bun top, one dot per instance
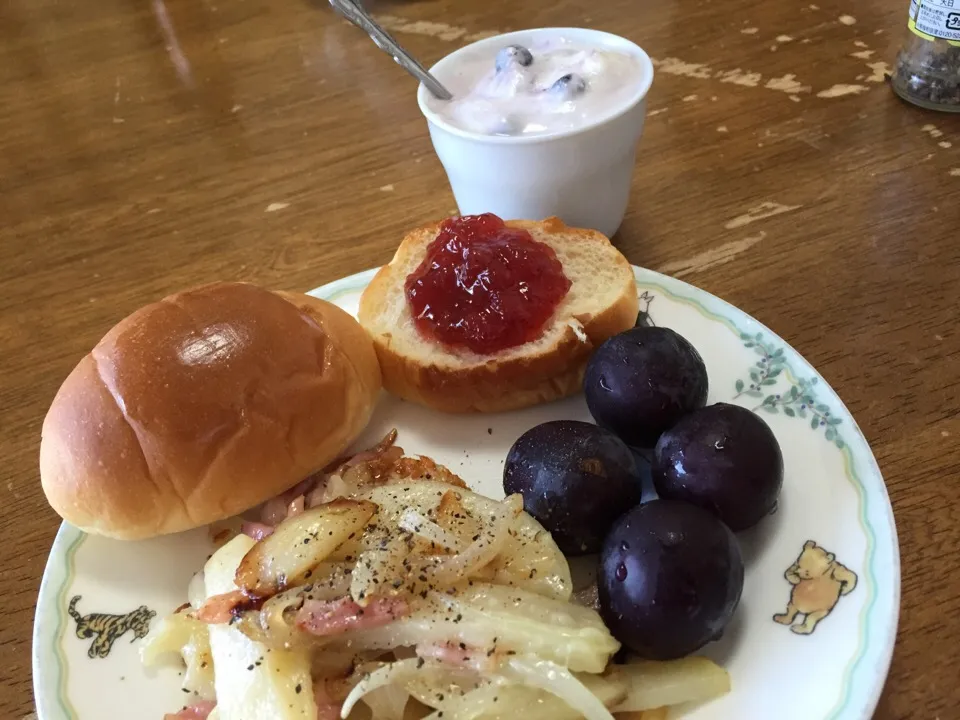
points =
(203, 405)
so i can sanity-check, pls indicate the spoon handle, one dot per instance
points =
(353, 12)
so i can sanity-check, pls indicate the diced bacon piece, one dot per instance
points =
(276, 510)
(219, 609)
(327, 709)
(296, 506)
(258, 531)
(324, 618)
(200, 710)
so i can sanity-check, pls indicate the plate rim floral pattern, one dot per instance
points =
(877, 624)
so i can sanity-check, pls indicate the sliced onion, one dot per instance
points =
(559, 681)
(656, 684)
(531, 624)
(453, 516)
(563, 633)
(484, 700)
(413, 521)
(379, 571)
(405, 631)
(392, 674)
(523, 604)
(327, 490)
(385, 444)
(530, 559)
(446, 571)
(443, 692)
(430, 682)
(197, 590)
(327, 663)
(373, 470)
(387, 441)
(388, 702)
(492, 699)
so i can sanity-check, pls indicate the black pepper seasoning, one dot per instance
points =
(927, 71)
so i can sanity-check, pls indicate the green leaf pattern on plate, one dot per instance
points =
(779, 394)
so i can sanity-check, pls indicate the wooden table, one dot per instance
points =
(145, 147)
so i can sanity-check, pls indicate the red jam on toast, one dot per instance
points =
(485, 287)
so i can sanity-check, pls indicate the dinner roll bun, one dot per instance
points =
(203, 405)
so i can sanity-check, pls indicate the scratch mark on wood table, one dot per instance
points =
(441, 31)
(711, 258)
(842, 90)
(879, 72)
(745, 78)
(759, 212)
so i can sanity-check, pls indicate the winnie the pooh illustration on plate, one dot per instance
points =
(819, 582)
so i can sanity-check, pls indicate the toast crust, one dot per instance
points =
(508, 380)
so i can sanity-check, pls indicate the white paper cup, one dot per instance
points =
(581, 176)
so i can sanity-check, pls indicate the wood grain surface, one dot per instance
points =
(148, 146)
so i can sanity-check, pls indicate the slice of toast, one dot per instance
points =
(601, 302)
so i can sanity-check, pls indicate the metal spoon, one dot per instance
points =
(353, 12)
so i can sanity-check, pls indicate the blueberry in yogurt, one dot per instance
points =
(569, 85)
(549, 83)
(513, 55)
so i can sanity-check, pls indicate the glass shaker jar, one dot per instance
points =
(927, 71)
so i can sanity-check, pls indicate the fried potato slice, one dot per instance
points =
(300, 543)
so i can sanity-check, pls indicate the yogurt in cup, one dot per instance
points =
(543, 123)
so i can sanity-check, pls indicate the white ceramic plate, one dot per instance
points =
(833, 495)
